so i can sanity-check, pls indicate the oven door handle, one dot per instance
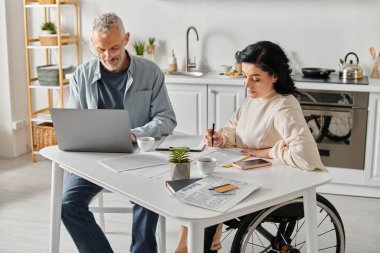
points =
(348, 113)
(359, 108)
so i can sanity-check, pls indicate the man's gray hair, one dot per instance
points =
(104, 23)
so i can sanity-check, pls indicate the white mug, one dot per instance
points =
(206, 165)
(145, 143)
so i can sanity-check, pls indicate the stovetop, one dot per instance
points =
(331, 79)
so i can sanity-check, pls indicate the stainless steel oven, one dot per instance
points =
(338, 122)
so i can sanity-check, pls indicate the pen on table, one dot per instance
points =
(212, 134)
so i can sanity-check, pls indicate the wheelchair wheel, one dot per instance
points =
(281, 229)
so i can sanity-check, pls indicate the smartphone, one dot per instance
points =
(250, 164)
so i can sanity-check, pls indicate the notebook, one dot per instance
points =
(92, 130)
(176, 185)
(193, 142)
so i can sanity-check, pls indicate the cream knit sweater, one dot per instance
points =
(275, 122)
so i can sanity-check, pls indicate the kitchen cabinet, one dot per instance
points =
(372, 170)
(223, 101)
(198, 106)
(189, 102)
(40, 128)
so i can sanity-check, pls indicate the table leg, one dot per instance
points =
(55, 207)
(162, 234)
(195, 238)
(310, 203)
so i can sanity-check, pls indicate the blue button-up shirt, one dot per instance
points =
(145, 97)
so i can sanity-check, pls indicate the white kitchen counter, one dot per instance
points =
(214, 78)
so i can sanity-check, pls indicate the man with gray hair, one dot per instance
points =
(115, 80)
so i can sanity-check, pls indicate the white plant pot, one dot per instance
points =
(180, 171)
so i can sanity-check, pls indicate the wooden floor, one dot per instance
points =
(25, 205)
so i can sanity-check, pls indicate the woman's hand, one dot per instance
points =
(264, 153)
(218, 140)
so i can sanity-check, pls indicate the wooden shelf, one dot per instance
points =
(32, 41)
(37, 85)
(52, 87)
(41, 117)
(35, 4)
(50, 47)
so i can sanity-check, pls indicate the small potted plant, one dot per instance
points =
(48, 28)
(179, 163)
(139, 48)
(48, 35)
(151, 46)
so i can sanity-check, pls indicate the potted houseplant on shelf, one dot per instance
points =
(48, 35)
(150, 48)
(179, 163)
(139, 48)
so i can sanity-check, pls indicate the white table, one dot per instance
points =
(279, 184)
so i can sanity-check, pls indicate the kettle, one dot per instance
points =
(351, 70)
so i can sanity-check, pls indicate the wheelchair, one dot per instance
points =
(281, 229)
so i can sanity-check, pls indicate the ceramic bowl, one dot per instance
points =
(225, 68)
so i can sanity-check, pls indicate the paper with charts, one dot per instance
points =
(199, 193)
(223, 156)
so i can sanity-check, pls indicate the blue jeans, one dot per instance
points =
(87, 235)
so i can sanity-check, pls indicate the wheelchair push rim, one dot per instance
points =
(266, 232)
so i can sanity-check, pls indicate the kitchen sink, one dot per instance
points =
(191, 73)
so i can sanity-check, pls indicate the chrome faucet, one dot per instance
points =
(189, 64)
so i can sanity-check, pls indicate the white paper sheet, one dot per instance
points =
(133, 162)
(156, 172)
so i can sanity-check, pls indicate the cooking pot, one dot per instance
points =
(352, 70)
(317, 72)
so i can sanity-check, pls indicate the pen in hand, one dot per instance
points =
(212, 134)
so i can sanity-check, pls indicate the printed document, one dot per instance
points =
(133, 162)
(199, 193)
(225, 156)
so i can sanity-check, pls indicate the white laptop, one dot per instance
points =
(93, 130)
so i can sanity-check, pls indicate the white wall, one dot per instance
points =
(315, 33)
(13, 92)
(5, 95)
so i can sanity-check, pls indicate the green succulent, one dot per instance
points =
(179, 155)
(151, 40)
(139, 48)
(49, 26)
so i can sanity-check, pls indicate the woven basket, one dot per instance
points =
(46, 1)
(52, 39)
(44, 135)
